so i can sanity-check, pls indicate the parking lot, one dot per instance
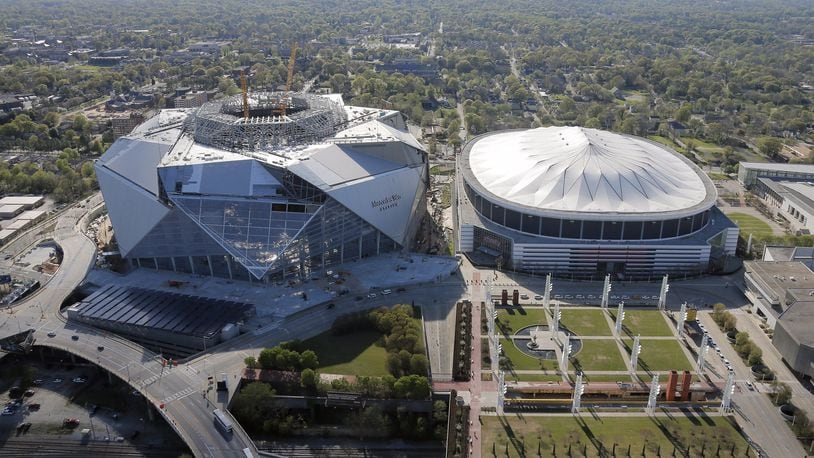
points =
(78, 405)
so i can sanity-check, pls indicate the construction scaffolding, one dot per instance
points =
(307, 118)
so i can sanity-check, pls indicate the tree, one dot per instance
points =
(755, 355)
(741, 341)
(782, 393)
(309, 360)
(267, 358)
(683, 113)
(250, 362)
(729, 322)
(412, 387)
(769, 146)
(309, 379)
(419, 364)
(254, 403)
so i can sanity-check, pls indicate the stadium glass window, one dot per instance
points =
(571, 229)
(531, 224)
(612, 230)
(550, 227)
(669, 228)
(685, 226)
(497, 214)
(512, 219)
(591, 230)
(632, 230)
(652, 230)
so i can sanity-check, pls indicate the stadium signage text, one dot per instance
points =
(386, 203)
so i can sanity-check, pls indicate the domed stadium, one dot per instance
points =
(584, 202)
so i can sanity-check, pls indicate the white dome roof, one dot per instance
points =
(585, 170)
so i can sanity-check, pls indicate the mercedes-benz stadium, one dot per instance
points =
(583, 203)
(299, 182)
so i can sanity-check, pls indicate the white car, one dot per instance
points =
(57, 380)
(385, 292)
(524, 296)
(371, 296)
(537, 297)
(7, 412)
(79, 380)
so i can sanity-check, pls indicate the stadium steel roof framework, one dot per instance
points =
(308, 117)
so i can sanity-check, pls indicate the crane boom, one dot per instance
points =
(291, 60)
(244, 87)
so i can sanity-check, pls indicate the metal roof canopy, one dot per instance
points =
(171, 312)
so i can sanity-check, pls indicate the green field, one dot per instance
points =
(750, 224)
(350, 354)
(517, 318)
(588, 436)
(644, 323)
(598, 355)
(660, 355)
(523, 362)
(585, 322)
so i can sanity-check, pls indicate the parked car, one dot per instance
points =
(79, 380)
(37, 381)
(29, 393)
(74, 337)
(34, 406)
(52, 334)
(385, 292)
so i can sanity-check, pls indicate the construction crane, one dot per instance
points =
(244, 87)
(292, 59)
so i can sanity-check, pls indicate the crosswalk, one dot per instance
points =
(179, 395)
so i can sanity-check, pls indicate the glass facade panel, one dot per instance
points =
(550, 227)
(571, 229)
(512, 219)
(685, 226)
(652, 230)
(669, 228)
(591, 230)
(531, 224)
(633, 230)
(612, 230)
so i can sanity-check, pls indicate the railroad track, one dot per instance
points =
(52, 447)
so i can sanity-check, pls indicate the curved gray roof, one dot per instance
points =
(587, 171)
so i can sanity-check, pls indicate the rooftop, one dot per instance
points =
(774, 278)
(806, 168)
(574, 169)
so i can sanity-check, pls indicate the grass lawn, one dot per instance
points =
(750, 224)
(664, 141)
(660, 355)
(644, 323)
(516, 318)
(598, 355)
(523, 362)
(585, 322)
(593, 437)
(350, 354)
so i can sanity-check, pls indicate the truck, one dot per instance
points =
(222, 382)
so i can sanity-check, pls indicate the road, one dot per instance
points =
(755, 412)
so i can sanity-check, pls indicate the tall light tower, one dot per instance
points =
(606, 289)
(566, 350)
(555, 321)
(547, 293)
(655, 389)
(634, 354)
(682, 317)
(498, 347)
(501, 390)
(702, 352)
(663, 293)
(729, 390)
(620, 316)
(579, 389)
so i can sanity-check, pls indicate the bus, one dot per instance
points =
(222, 420)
